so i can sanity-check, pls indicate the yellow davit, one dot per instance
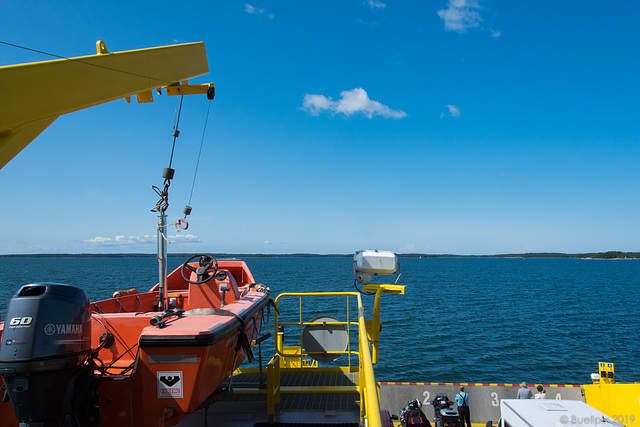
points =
(33, 95)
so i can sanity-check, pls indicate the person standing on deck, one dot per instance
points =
(524, 392)
(462, 399)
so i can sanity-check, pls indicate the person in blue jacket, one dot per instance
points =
(462, 399)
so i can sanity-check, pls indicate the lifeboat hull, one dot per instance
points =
(155, 367)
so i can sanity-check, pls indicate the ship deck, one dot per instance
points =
(246, 404)
(309, 398)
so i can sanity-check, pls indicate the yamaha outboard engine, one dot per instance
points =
(45, 342)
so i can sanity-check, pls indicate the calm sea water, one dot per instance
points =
(461, 319)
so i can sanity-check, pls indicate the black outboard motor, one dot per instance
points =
(45, 342)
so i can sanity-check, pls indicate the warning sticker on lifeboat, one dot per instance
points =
(169, 384)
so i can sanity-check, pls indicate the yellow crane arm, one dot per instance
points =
(33, 95)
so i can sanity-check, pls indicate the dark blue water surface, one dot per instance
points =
(461, 319)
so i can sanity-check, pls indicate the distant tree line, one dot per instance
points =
(594, 255)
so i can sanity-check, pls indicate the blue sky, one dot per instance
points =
(440, 126)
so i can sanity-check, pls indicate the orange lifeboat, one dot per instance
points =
(144, 366)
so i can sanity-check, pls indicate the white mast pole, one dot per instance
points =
(162, 262)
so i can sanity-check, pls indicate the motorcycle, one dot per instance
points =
(445, 416)
(412, 416)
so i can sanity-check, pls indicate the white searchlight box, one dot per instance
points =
(376, 263)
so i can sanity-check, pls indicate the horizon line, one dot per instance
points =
(294, 254)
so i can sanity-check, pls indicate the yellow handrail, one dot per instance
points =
(367, 386)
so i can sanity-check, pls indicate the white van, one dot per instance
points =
(551, 413)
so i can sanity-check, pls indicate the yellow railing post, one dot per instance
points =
(369, 401)
(374, 324)
(273, 388)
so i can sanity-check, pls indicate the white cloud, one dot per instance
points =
(121, 240)
(316, 103)
(461, 15)
(187, 238)
(353, 101)
(375, 4)
(139, 240)
(98, 240)
(252, 10)
(495, 34)
(455, 112)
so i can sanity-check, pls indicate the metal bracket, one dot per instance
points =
(184, 88)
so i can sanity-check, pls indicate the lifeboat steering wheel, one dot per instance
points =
(205, 263)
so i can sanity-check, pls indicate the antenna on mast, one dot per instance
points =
(161, 208)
